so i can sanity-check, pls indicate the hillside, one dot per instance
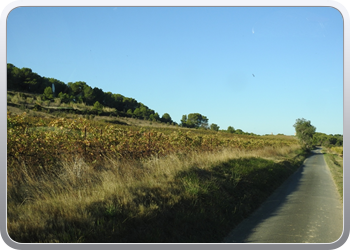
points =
(52, 94)
(30, 91)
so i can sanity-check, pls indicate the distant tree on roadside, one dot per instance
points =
(305, 132)
(322, 139)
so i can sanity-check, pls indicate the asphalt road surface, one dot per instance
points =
(307, 208)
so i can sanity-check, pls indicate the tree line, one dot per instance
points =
(25, 80)
(308, 136)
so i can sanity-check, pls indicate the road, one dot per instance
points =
(306, 208)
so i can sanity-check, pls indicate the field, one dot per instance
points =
(100, 180)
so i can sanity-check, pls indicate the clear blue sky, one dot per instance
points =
(196, 60)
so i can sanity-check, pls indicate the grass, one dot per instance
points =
(335, 164)
(193, 197)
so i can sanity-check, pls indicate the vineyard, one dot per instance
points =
(80, 180)
(40, 141)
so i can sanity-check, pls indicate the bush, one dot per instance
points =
(57, 101)
(337, 150)
(30, 100)
(17, 99)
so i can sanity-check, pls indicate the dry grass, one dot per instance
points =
(44, 208)
(335, 164)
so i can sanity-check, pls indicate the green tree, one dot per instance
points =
(98, 94)
(130, 113)
(156, 116)
(214, 127)
(305, 132)
(230, 129)
(48, 95)
(97, 107)
(76, 88)
(239, 131)
(64, 97)
(166, 118)
(196, 120)
(137, 113)
(88, 94)
(151, 117)
(184, 121)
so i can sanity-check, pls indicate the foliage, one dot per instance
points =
(47, 95)
(166, 118)
(97, 106)
(214, 127)
(183, 121)
(322, 139)
(132, 203)
(337, 150)
(194, 120)
(39, 141)
(239, 131)
(304, 132)
(230, 129)
(25, 80)
(76, 180)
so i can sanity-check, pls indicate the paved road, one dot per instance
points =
(306, 208)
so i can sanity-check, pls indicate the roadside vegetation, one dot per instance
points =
(81, 180)
(334, 159)
(332, 148)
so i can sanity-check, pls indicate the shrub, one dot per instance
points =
(30, 99)
(17, 99)
(58, 101)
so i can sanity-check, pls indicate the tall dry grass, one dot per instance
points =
(43, 208)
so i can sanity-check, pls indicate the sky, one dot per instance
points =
(257, 69)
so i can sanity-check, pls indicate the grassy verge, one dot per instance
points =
(197, 197)
(335, 164)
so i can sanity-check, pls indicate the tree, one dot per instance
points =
(64, 97)
(137, 113)
(97, 107)
(156, 116)
(184, 121)
(166, 118)
(130, 113)
(76, 88)
(230, 129)
(98, 94)
(319, 138)
(88, 94)
(305, 132)
(239, 131)
(214, 127)
(196, 120)
(48, 93)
